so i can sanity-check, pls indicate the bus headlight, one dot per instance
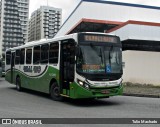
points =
(80, 82)
(83, 84)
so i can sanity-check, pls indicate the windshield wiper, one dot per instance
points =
(100, 55)
(110, 50)
(98, 52)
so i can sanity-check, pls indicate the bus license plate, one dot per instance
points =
(105, 92)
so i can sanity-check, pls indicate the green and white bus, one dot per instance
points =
(1, 63)
(80, 65)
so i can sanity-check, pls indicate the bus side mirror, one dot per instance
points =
(77, 51)
(123, 64)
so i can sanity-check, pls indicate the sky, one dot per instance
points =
(69, 5)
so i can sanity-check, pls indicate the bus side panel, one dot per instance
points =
(8, 76)
(15, 73)
(40, 82)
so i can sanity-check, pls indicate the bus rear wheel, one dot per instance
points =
(55, 92)
(18, 84)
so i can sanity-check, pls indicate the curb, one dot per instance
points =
(141, 95)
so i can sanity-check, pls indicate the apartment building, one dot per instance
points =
(13, 23)
(44, 23)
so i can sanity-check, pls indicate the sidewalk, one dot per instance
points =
(141, 90)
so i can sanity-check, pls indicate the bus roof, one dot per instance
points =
(44, 41)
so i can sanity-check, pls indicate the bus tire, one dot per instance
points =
(18, 84)
(55, 92)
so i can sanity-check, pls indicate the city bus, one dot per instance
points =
(1, 67)
(77, 66)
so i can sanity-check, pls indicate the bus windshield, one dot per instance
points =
(99, 59)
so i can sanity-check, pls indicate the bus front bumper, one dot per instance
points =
(77, 92)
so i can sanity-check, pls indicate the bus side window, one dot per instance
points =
(44, 53)
(28, 56)
(8, 57)
(22, 54)
(17, 59)
(53, 53)
(36, 55)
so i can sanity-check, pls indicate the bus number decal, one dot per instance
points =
(30, 69)
(37, 69)
(27, 68)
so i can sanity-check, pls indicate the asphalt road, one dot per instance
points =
(29, 104)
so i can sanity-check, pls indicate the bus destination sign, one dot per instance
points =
(99, 38)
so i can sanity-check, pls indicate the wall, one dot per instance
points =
(138, 32)
(142, 67)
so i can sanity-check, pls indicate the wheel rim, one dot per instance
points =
(56, 92)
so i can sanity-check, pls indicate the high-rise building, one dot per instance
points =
(23, 8)
(13, 23)
(44, 23)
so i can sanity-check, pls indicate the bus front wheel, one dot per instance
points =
(55, 92)
(18, 84)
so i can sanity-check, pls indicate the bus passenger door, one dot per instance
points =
(67, 63)
(12, 66)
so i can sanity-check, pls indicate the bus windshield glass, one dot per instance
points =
(99, 59)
